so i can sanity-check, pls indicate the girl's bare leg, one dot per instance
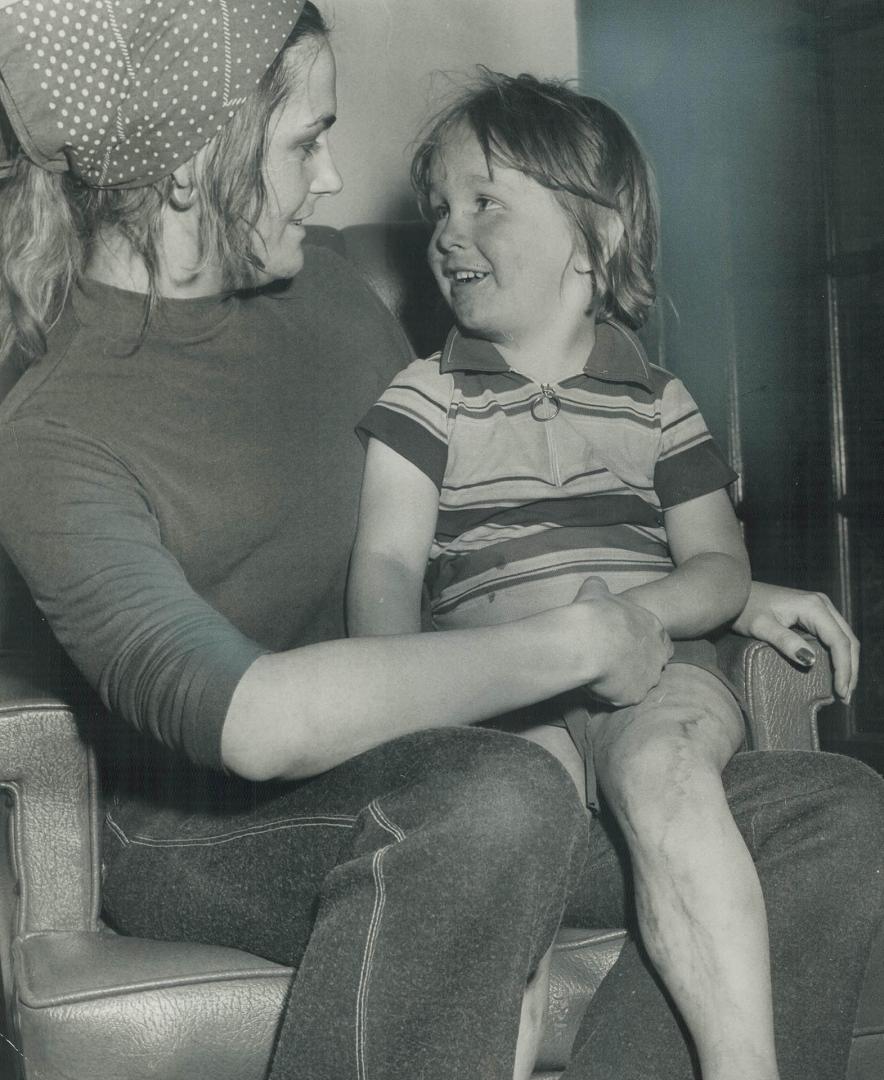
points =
(699, 903)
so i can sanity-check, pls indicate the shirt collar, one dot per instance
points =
(617, 356)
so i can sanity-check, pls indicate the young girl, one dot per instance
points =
(539, 448)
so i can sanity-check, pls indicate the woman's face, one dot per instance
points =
(298, 166)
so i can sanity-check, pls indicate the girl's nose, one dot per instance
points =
(450, 233)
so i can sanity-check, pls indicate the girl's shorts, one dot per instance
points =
(573, 709)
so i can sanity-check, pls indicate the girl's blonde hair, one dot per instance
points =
(50, 221)
(584, 153)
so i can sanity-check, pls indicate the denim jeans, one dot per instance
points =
(415, 888)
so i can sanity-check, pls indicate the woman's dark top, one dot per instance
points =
(180, 504)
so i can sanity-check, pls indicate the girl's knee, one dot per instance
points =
(651, 781)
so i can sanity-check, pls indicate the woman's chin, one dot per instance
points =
(282, 265)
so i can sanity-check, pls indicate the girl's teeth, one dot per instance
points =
(467, 275)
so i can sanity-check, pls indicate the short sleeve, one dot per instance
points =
(80, 530)
(411, 417)
(690, 463)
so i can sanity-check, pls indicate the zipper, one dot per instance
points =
(546, 406)
(544, 409)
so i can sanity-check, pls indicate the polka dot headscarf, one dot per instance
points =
(121, 92)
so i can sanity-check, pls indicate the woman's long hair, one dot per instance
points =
(49, 222)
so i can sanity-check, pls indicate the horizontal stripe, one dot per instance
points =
(455, 565)
(430, 414)
(524, 478)
(681, 420)
(588, 511)
(506, 409)
(586, 567)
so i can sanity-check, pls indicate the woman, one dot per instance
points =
(320, 802)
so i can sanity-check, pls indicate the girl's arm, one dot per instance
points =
(710, 583)
(397, 518)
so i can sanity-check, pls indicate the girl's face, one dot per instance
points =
(503, 250)
(298, 166)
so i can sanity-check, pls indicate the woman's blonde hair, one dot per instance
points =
(49, 221)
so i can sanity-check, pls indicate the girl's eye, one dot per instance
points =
(484, 202)
(309, 148)
(438, 212)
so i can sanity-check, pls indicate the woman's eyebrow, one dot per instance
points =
(322, 123)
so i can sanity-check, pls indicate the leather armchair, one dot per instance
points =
(80, 1001)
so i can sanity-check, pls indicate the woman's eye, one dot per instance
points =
(309, 148)
(484, 202)
(438, 212)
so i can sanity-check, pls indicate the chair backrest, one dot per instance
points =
(392, 257)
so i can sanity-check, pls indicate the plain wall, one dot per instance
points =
(390, 54)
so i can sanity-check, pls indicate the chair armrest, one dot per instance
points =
(49, 844)
(781, 699)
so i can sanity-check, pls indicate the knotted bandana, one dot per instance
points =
(121, 92)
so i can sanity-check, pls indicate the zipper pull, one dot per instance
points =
(546, 405)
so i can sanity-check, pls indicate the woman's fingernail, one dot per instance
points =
(805, 657)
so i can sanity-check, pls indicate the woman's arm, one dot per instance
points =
(397, 517)
(710, 582)
(301, 712)
(772, 610)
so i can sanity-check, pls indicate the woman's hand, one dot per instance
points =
(772, 610)
(630, 645)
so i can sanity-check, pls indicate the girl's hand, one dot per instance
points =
(629, 644)
(772, 610)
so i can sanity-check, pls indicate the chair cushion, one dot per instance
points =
(128, 1009)
(581, 959)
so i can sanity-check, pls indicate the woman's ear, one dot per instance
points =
(183, 195)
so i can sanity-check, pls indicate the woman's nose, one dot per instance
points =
(326, 180)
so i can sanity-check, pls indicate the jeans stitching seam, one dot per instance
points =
(373, 930)
(116, 830)
(784, 800)
(143, 840)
